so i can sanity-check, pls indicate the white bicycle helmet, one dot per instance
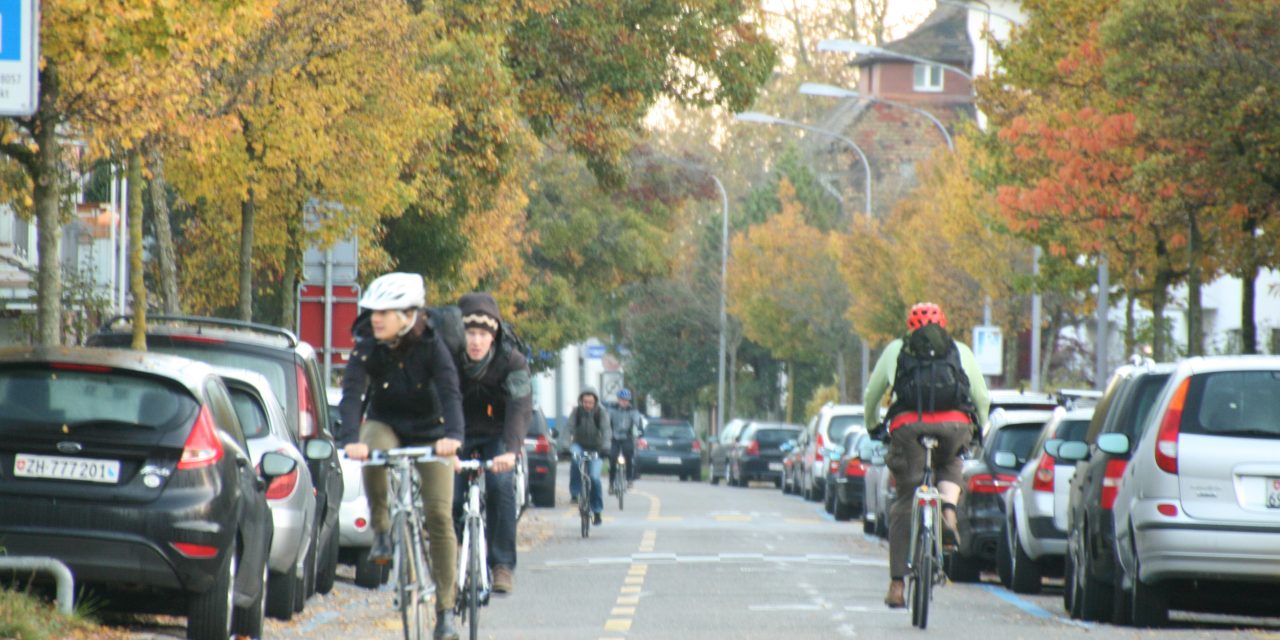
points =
(395, 291)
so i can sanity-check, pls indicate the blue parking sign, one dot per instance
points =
(11, 29)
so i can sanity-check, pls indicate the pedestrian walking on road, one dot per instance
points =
(627, 425)
(588, 426)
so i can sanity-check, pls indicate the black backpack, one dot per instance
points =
(929, 375)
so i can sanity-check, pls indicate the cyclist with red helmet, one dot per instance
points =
(938, 390)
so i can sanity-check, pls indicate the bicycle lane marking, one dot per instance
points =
(1030, 608)
(624, 610)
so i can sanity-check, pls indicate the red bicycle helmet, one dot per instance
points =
(925, 313)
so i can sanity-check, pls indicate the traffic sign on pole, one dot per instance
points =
(19, 57)
(332, 340)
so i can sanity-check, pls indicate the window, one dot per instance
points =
(928, 77)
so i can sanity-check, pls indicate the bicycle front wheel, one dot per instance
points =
(584, 505)
(474, 567)
(922, 579)
(411, 579)
(620, 488)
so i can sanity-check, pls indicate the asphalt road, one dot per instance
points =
(691, 560)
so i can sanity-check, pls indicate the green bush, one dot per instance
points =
(28, 618)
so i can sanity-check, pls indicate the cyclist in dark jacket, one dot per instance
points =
(413, 399)
(588, 425)
(627, 425)
(497, 403)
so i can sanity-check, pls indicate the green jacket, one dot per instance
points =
(882, 379)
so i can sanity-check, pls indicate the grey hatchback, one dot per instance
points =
(669, 446)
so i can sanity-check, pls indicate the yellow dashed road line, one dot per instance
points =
(622, 614)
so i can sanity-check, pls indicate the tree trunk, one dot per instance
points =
(1195, 323)
(1048, 347)
(164, 235)
(245, 307)
(1248, 300)
(1130, 338)
(842, 376)
(1159, 297)
(136, 284)
(791, 389)
(45, 174)
(292, 261)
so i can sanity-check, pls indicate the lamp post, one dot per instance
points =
(832, 91)
(762, 118)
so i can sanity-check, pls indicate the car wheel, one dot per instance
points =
(308, 578)
(1120, 599)
(545, 496)
(777, 483)
(696, 476)
(327, 571)
(248, 621)
(715, 479)
(282, 593)
(962, 568)
(1093, 596)
(369, 574)
(842, 511)
(209, 613)
(1024, 574)
(829, 502)
(1148, 603)
(868, 526)
(1004, 557)
(1069, 586)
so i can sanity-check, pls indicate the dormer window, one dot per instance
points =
(928, 78)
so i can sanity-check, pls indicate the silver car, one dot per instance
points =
(291, 497)
(875, 515)
(1036, 505)
(1199, 502)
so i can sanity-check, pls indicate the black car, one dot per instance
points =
(133, 470)
(540, 455)
(758, 453)
(671, 447)
(980, 513)
(721, 449)
(291, 367)
(1090, 562)
(849, 473)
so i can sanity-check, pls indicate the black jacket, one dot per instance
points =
(499, 402)
(413, 387)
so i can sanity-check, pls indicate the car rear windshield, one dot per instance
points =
(775, 437)
(83, 397)
(1144, 397)
(840, 424)
(274, 370)
(669, 431)
(1071, 430)
(252, 415)
(1018, 439)
(1234, 403)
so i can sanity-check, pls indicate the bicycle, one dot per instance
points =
(409, 563)
(924, 559)
(618, 484)
(473, 551)
(584, 495)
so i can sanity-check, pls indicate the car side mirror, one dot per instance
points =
(1051, 446)
(319, 449)
(1116, 444)
(274, 465)
(1005, 459)
(1074, 451)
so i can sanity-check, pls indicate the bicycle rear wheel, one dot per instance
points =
(410, 580)
(922, 579)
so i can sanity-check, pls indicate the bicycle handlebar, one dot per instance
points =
(382, 457)
(472, 465)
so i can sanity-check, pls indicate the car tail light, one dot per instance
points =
(1111, 482)
(1043, 480)
(641, 443)
(75, 366)
(540, 469)
(988, 483)
(817, 450)
(200, 551)
(697, 446)
(202, 447)
(307, 419)
(855, 469)
(834, 467)
(1167, 437)
(541, 444)
(753, 448)
(282, 487)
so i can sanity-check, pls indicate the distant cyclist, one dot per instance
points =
(627, 425)
(588, 427)
(413, 399)
(497, 402)
(938, 390)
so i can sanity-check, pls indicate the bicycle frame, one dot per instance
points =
(410, 563)
(473, 515)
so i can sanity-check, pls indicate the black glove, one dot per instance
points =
(880, 431)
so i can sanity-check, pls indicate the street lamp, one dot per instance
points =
(832, 91)
(762, 118)
(857, 48)
(986, 8)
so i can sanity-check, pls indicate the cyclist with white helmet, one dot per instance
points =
(403, 373)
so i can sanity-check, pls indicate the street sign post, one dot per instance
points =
(988, 348)
(323, 321)
(19, 57)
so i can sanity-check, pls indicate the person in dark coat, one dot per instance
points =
(588, 427)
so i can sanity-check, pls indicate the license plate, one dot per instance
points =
(668, 460)
(61, 468)
(775, 466)
(1273, 493)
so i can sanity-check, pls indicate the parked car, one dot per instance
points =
(671, 447)
(758, 453)
(980, 512)
(355, 528)
(849, 476)
(1090, 561)
(132, 469)
(880, 487)
(792, 460)
(540, 457)
(290, 366)
(1036, 506)
(721, 447)
(825, 433)
(291, 497)
(1199, 505)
